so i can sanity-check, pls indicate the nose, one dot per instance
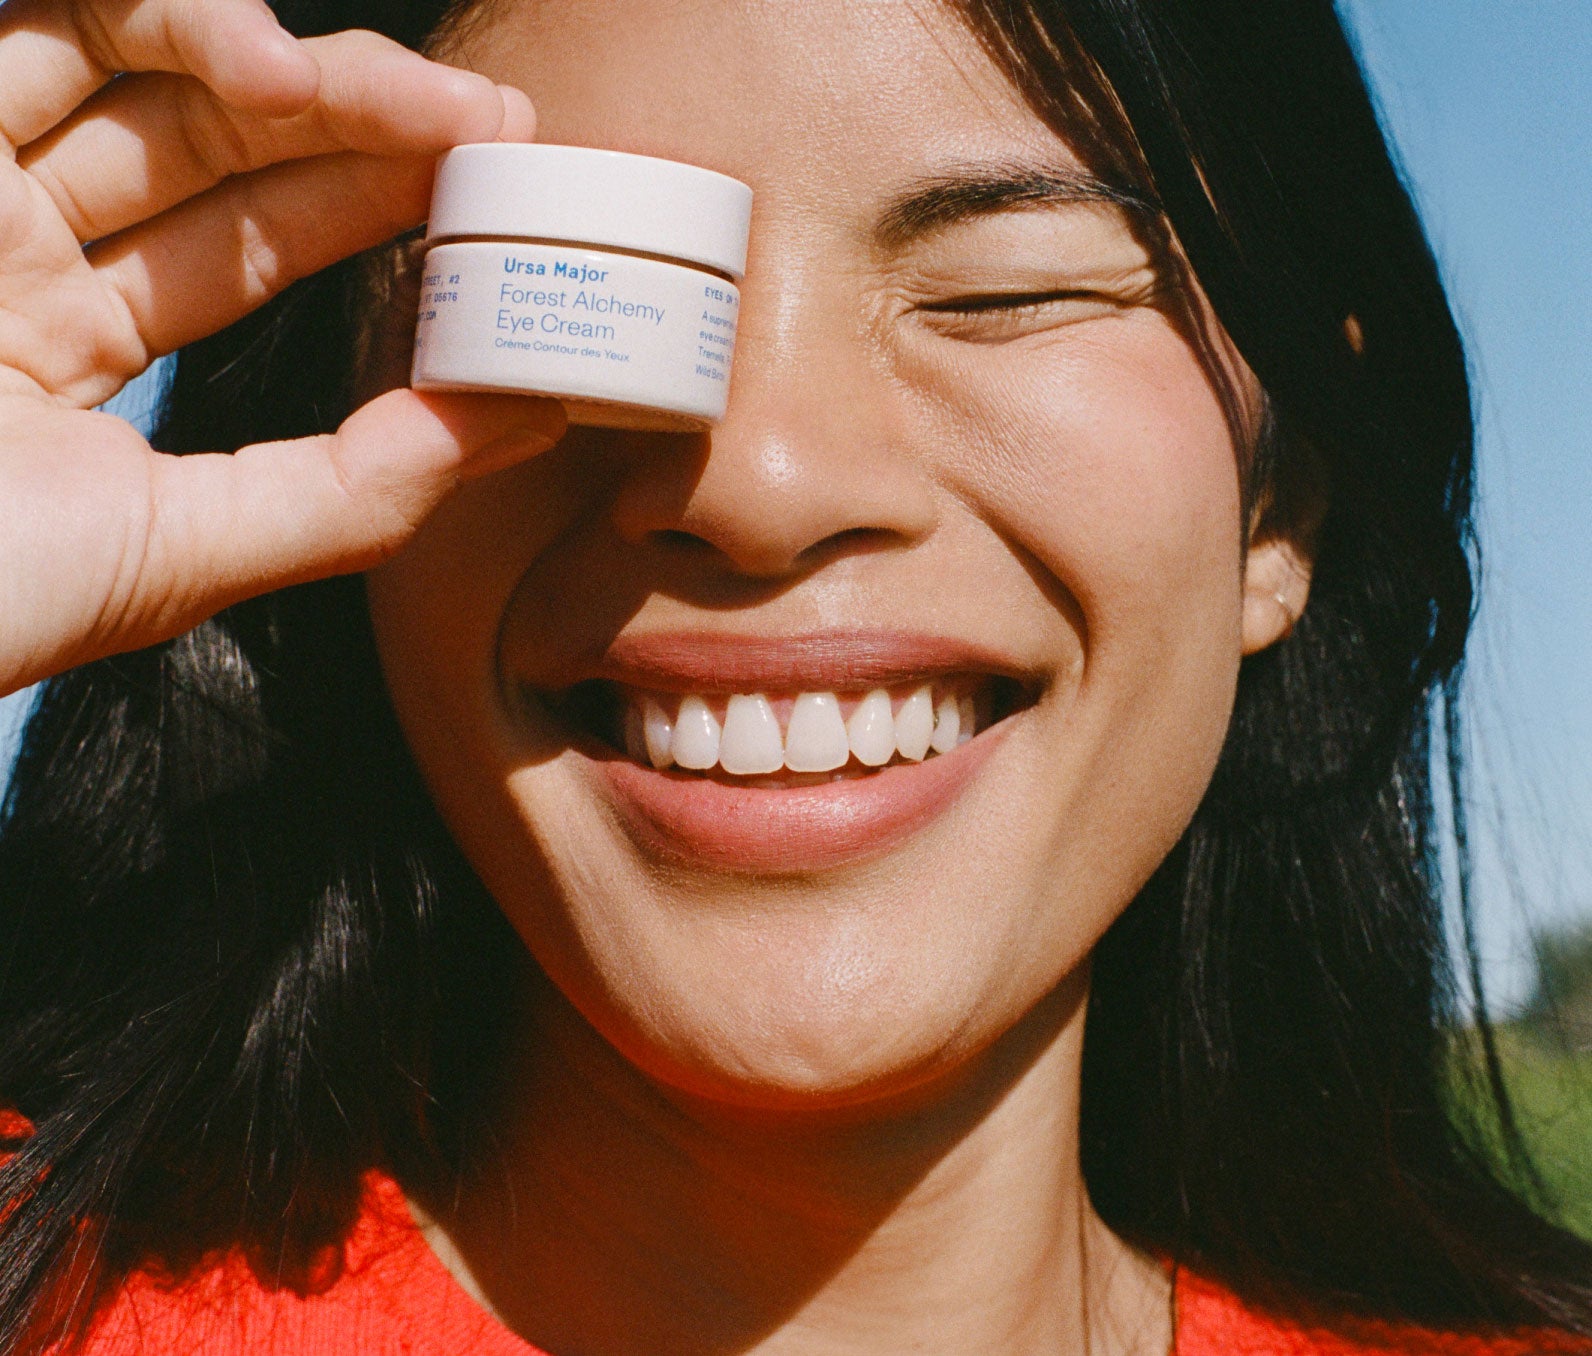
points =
(811, 460)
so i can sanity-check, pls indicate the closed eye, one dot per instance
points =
(1008, 301)
(997, 317)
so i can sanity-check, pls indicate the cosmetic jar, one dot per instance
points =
(605, 279)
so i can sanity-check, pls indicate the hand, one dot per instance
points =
(138, 213)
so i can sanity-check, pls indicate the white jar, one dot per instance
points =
(605, 279)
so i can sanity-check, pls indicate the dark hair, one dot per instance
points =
(244, 960)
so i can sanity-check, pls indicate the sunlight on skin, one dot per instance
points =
(995, 433)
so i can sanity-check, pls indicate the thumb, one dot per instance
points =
(275, 514)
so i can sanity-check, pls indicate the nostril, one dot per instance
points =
(685, 545)
(679, 542)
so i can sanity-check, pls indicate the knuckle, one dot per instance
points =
(58, 188)
(210, 136)
(263, 254)
(94, 37)
(190, 26)
(355, 64)
(387, 506)
(356, 44)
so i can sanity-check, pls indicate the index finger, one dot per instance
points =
(55, 53)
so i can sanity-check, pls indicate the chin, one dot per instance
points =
(848, 987)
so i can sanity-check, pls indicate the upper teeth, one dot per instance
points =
(746, 739)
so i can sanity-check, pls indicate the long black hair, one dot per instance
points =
(243, 961)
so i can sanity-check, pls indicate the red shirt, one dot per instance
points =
(395, 1298)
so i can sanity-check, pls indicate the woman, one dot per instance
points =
(1080, 345)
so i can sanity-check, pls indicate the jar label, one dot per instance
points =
(579, 323)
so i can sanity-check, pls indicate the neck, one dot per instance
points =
(615, 1216)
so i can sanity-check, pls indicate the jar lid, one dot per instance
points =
(633, 202)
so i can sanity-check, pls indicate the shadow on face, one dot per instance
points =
(982, 430)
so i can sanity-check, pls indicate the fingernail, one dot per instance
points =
(519, 114)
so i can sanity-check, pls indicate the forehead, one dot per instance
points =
(805, 99)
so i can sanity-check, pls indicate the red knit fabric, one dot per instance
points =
(394, 1298)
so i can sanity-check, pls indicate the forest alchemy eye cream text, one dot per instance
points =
(605, 279)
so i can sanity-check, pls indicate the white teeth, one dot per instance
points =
(635, 736)
(750, 743)
(696, 736)
(914, 725)
(816, 740)
(871, 730)
(658, 731)
(947, 725)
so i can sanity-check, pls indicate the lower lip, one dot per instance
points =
(767, 830)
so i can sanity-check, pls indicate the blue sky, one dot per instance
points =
(1490, 105)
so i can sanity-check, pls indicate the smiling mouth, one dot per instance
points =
(774, 739)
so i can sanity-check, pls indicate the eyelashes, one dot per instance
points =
(996, 316)
(1010, 301)
(993, 317)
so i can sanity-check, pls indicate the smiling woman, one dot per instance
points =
(942, 861)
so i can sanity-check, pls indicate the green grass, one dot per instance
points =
(1551, 1087)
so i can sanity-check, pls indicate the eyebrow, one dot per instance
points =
(959, 194)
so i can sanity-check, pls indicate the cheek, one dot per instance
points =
(438, 606)
(437, 612)
(434, 610)
(1106, 457)
(1103, 467)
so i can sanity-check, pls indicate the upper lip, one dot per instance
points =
(833, 660)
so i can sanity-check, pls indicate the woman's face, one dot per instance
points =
(970, 445)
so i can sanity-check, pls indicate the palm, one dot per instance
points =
(144, 212)
(63, 333)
